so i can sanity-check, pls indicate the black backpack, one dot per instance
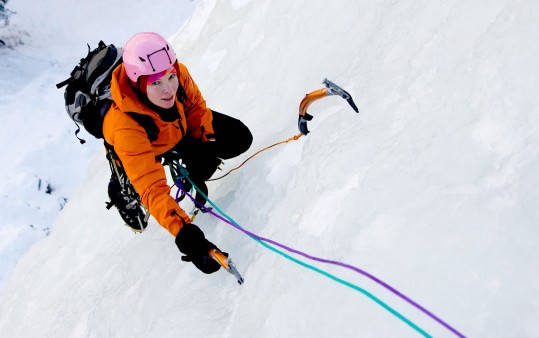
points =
(87, 95)
(87, 100)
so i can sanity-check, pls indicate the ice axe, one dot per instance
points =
(331, 89)
(226, 263)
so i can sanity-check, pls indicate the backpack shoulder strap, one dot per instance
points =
(182, 95)
(149, 125)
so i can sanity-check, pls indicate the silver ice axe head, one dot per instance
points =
(333, 89)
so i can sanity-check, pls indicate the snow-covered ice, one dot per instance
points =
(433, 187)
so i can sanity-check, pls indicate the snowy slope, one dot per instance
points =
(432, 187)
(42, 163)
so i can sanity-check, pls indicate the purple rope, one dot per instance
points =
(327, 261)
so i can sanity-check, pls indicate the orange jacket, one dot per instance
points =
(137, 154)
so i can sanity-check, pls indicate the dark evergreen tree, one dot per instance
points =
(4, 12)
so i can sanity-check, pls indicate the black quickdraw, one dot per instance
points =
(331, 89)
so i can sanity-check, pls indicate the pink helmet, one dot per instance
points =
(146, 54)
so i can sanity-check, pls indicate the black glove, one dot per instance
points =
(192, 243)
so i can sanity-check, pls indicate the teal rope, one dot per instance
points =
(183, 171)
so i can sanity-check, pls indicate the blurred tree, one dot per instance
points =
(4, 12)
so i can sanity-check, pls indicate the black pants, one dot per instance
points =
(201, 159)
